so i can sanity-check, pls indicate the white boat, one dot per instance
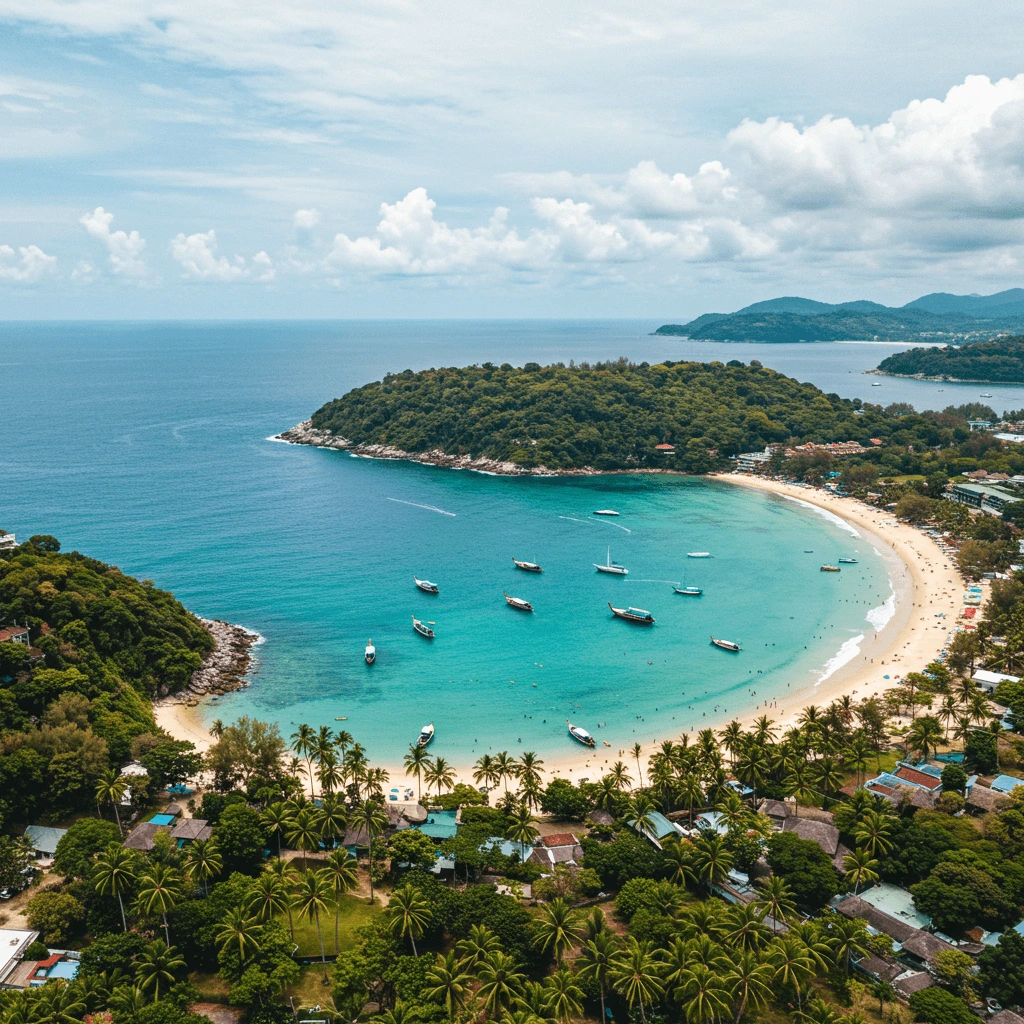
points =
(698, 554)
(519, 604)
(640, 616)
(423, 628)
(526, 566)
(580, 735)
(877, 384)
(611, 567)
(986, 394)
(426, 586)
(606, 512)
(371, 653)
(726, 645)
(847, 561)
(425, 736)
(688, 591)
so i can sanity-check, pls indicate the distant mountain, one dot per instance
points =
(936, 317)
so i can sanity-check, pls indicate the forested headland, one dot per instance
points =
(999, 361)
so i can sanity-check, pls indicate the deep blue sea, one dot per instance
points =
(146, 445)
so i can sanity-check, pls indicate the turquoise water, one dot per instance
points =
(145, 445)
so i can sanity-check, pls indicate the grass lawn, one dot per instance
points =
(211, 987)
(354, 913)
(310, 990)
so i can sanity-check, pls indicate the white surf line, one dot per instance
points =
(429, 508)
(825, 514)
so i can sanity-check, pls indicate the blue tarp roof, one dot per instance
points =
(1006, 783)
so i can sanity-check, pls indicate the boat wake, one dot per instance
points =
(593, 522)
(429, 508)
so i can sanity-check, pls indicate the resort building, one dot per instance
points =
(988, 681)
(656, 827)
(560, 848)
(1005, 783)
(753, 462)
(43, 842)
(922, 783)
(14, 634)
(837, 449)
(7, 541)
(13, 944)
(989, 499)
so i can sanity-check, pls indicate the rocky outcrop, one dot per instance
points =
(306, 433)
(224, 668)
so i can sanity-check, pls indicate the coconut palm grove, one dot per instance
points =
(864, 864)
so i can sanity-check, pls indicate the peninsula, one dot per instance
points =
(999, 361)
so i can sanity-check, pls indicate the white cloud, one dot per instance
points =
(31, 265)
(199, 261)
(125, 250)
(84, 272)
(306, 220)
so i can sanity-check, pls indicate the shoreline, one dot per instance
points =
(946, 380)
(925, 584)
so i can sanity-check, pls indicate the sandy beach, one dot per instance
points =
(927, 592)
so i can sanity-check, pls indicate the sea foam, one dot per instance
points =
(830, 516)
(845, 654)
(879, 616)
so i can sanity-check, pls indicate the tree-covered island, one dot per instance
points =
(999, 361)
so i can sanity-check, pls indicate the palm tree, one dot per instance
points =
(640, 810)
(302, 832)
(732, 738)
(303, 743)
(274, 819)
(500, 982)
(703, 993)
(793, 964)
(530, 791)
(284, 871)
(557, 928)
(370, 817)
(159, 892)
(620, 775)
(408, 913)
(860, 869)
(848, 939)
(311, 899)
(441, 774)
(678, 860)
(114, 875)
(777, 899)
(111, 787)
(268, 896)
(521, 829)
(595, 961)
(873, 832)
(416, 761)
(328, 773)
(637, 751)
(531, 767)
(486, 771)
(449, 983)
(332, 818)
(712, 860)
(750, 984)
(564, 997)
(237, 929)
(859, 753)
(690, 792)
(635, 973)
(157, 963)
(342, 868)
(747, 932)
(507, 767)
(477, 946)
(203, 861)
(829, 774)
(924, 734)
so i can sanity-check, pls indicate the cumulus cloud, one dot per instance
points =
(30, 264)
(306, 220)
(197, 255)
(124, 249)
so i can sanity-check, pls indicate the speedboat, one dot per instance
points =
(608, 511)
(426, 586)
(726, 645)
(877, 384)
(580, 735)
(611, 567)
(526, 566)
(985, 394)
(688, 591)
(423, 628)
(640, 616)
(425, 736)
(371, 653)
(698, 554)
(830, 568)
(519, 604)
(847, 561)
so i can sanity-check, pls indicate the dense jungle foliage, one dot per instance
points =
(1000, 360)
(108, 643)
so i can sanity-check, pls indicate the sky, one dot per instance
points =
(382, 158)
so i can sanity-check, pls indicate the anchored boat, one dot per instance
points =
(688, 591)
(640, 616)
(847, 561)
(580, 735)
(698, 554)
(830, 568)
(611, 567)
(425, 736)
(426, 586)
(726, 645)
(606, 512)
(519, 604)
(371, 653)
(526, 566)
(423, 628)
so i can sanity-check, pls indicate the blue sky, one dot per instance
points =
(309, 158)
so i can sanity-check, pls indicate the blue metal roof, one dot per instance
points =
(1006, 783)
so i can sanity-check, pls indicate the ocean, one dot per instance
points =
(146, 445)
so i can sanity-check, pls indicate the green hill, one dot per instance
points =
(1000, 361)
(607, 415)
